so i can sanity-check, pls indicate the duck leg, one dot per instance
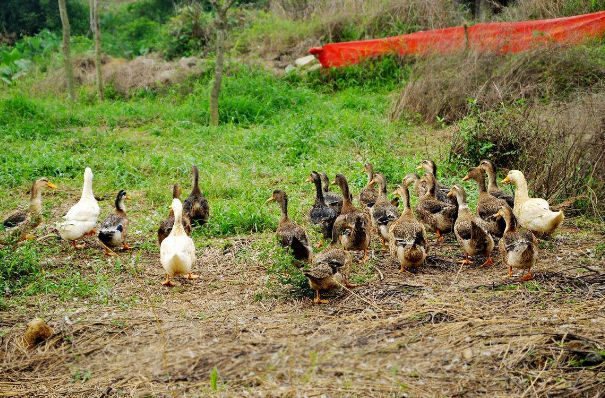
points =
(318, 300)
(365, 255)
(384, 245)
(466, 260)
(321, 241)
(92, 232)
(108, 252)
(439, 237)
(191, 276)
(528, 276)
(403, 270)
(349, 284)
(488, 261)
(125, 246)
(510, 272)
(168, 282)
(73, 243)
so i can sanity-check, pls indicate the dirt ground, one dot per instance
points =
(441, 331)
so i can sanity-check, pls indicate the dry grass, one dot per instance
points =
(125, 77)
(439, 331)
(447, 88)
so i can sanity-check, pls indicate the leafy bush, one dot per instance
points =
(19, 18)
(188, 33)
(18, 267)
(559, 147)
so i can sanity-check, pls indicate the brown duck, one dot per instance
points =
(487, 205)
(492, 182)
(196, 207)
(383, 213)
(438, 215)
(321, 214)
(290, 235)
(352, 227)
(407, 236)
(114, 228)
(368, 195)
(470, 230)
(332, 199)
(519, 249)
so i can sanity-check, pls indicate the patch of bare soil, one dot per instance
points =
(442, 330)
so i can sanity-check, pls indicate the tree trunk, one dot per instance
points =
(98, 66)
(69, 70)
(218, 69)
(91, 16)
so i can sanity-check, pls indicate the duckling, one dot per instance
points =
(441, 190)
(470, 230)
(20, 223)
(487, 205)
(291, 235)
(492, 185)
(332, 199)
(81, 219)
(407, 236)
(436, 214)
(367, 197)
(519, 249)
(168, 222)
(331, 269)
(177, 251)
(321, 214)
(352, 226)
(196, 206)
(532, 213)
(114, 229)
(383, 213)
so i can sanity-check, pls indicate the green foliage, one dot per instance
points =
(20, 18)
(383, 74)
(188, 33)
(286, 278)
(18, 267)
(214, 379)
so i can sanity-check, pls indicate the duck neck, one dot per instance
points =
(382, 187)
(511, 223)
(319, 195)
(196, 181)
(491, 179)
(405, 194)
(521, 192)
(481, 184)
(462, 205)
(283, 206)
(87, 188)
(177, 227)
(325, 183)
(35, 199)
(370, 171)
(346, 197)
(120, 207)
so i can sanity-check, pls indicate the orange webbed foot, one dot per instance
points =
(487, 262)
(125, 246)
(527, 277)
(320, 301)
(73, 243)
(466, 261)
(191, 276)
(349, 284)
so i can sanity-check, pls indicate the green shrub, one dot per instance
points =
(18, 267)
(188, 33)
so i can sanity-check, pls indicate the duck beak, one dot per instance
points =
(395, 192)
(504, 181)
(372, 182)
(309, 179)
(422, 180)
(364, 169)
(419, 167)
(128, 197)
(497, 215)
(271, 199)
(51, 185)
(334, 182)
(466, 177)
(450, 193)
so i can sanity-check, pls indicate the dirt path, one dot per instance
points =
(443, 331)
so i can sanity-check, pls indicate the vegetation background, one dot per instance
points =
(540, 112)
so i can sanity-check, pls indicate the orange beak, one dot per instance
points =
(504, 181)
(128, 197)
(51, 185)
(466, 178)
(271, 199)
(419, 167)
(309, 179)
(450, 193)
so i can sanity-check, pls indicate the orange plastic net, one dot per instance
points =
(503, 37)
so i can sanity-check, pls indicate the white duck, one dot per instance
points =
(177, 251)
(532, 213)
(81, 219)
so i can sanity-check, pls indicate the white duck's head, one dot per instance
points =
(177, 208)
(516, 177)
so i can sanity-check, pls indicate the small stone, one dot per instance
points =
(314, 67)
(467, 353)
(304, 61)
(290, 68)
(37, 331)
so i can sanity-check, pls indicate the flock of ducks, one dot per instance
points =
(347, 227)
(440, 209)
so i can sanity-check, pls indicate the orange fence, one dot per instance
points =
(504, 37)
